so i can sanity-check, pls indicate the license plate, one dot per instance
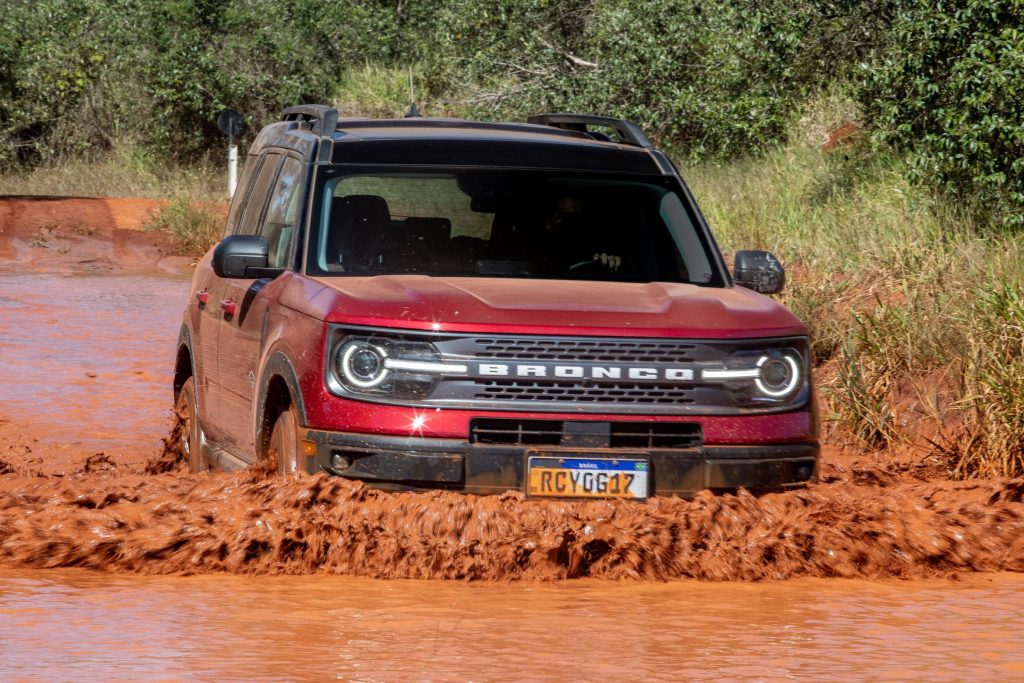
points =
(581, 477)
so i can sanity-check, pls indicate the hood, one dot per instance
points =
(519, 306)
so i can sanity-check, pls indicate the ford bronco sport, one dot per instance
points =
(483, 307)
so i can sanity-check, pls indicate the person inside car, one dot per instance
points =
(575, 243)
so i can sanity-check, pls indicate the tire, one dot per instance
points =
(188, 415)
(284, 449)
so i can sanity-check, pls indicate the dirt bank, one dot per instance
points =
(83, 234)
(87, 395)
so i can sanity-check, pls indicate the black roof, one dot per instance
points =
(458, 142)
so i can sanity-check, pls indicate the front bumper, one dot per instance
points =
(412, 463)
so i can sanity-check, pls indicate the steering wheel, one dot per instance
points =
(589, 264)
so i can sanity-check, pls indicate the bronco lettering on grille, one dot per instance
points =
(610, 372)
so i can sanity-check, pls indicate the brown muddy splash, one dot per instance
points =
(86, 396)
(251, 523)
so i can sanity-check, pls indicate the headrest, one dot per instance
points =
(428, 232)
(517, 228)
(365, 208)
(358, 225)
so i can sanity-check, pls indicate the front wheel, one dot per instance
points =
(188, 417)
(284, 449)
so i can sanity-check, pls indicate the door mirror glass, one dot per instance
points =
(759, 271)
(241, 256)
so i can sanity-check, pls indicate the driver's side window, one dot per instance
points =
(249, 222)
(279, 223)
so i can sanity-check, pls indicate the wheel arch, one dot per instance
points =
(184, 362)
(279, 389)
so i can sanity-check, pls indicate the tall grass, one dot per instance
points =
(917, 316)
(125, 171)
(194, 227)
(380, 91)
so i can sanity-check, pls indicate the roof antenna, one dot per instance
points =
(413, 111)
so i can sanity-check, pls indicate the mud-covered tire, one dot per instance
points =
(188, 417)
(284, 449)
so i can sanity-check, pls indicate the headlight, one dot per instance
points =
(362, 364)
(779, 376)
(760, 377)
(386, 366)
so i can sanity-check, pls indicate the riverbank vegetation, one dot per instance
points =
(916, 311)
(876, 147)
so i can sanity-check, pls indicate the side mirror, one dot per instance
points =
(239, 256)
(759, 271)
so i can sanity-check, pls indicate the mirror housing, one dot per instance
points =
(759, 271)
(240, 256)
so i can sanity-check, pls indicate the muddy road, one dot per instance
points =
(89, 314)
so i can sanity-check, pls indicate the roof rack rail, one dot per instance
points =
(322, 118)
(628, 132)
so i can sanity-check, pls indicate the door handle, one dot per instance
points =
(202, 297)
(228, 306)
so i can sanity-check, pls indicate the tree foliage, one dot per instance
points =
(707, 78)
(711, 78)
(949, 86)
(76, 76)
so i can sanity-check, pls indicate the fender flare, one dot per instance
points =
(184, 340)
(278, 365)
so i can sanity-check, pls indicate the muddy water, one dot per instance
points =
(80, 625)
(86, 360)
(85, 363)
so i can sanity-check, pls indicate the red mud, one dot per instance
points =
(83, 235)
(253, 524)
(71, 501)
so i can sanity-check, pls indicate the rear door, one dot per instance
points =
(241, 336)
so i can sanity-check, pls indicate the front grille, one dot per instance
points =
(656, 435)
(516, 432)
(627, 376)
(572, 392)
(640, 435)
(585, 350)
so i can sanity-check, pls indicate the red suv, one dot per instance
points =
(482, 307)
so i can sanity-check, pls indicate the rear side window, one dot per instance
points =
(282, 213)
(248, 169)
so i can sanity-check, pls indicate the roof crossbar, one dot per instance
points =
(629, 133)
(323, 119)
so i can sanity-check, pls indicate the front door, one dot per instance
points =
(249, 301)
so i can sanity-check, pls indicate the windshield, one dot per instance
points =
(526, 224)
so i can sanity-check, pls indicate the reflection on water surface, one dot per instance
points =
(81, 625)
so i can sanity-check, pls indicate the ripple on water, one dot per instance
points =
(70, 624)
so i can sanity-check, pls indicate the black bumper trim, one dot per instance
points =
(400, 462)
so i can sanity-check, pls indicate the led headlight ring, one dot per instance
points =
(790, 367)
(349, 372)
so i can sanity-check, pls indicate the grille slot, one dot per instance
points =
(656, 435)
(584, 350)
(516, 432)
(618, 393)
(644, 435)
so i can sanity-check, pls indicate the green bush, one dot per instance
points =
(79, 77)
(193, 227)
(949, 86)
(56, 60)
(709, 79)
